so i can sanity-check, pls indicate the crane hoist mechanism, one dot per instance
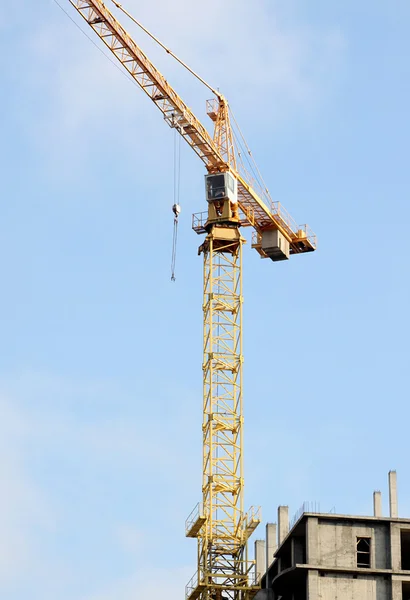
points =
(234, 200)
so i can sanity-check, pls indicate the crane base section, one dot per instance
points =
(238, 589)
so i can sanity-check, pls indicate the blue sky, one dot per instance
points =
(100, 364)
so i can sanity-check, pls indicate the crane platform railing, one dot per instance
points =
(193, 588)
(195, 520)
(199, 221)
(295, 231)
(279, 216)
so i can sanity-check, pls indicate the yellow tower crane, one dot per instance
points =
(219, 522)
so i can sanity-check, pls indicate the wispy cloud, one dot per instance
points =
(269, 65)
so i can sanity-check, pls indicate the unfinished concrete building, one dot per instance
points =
(327, 556)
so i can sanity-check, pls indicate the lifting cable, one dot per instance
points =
(251, 161)
(167, 50)
(176, 207)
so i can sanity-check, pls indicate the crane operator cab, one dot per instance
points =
(222, 196)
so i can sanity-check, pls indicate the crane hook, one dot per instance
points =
(176, 209)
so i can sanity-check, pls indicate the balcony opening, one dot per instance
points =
(363, 545)
(405, 549)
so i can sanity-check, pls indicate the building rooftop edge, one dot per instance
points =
(337, 517)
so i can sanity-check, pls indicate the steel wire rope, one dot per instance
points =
(250, 175)
(176, 206)
(259, 177)
(167, 50)
(241, 150)
(253, 175)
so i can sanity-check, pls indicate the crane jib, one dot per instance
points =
(153, 83)
(179, 116)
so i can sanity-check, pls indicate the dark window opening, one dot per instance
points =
(299, 550)
(291, 589)
(406, 590)
(216, 187)
(286, 556)
(405, 549)
(363, 552)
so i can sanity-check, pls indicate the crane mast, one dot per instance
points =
(218, 522)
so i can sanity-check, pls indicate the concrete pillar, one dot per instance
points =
(395, 547)
(260, 559)
(271, 543)
(393, 494)
(312, 541)
(396, 589)
(313, 585)
(283, 523)
(377, 504)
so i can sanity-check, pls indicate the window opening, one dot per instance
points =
(216, 187)
(405, 549)
(231, 185)
(363, 552)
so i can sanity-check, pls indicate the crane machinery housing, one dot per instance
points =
(234, 200)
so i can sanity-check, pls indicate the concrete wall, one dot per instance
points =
(337, 587)
(337, 544)
(381, 554)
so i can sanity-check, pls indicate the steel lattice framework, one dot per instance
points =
(219, 522)
(222, 415)
(222, 483)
